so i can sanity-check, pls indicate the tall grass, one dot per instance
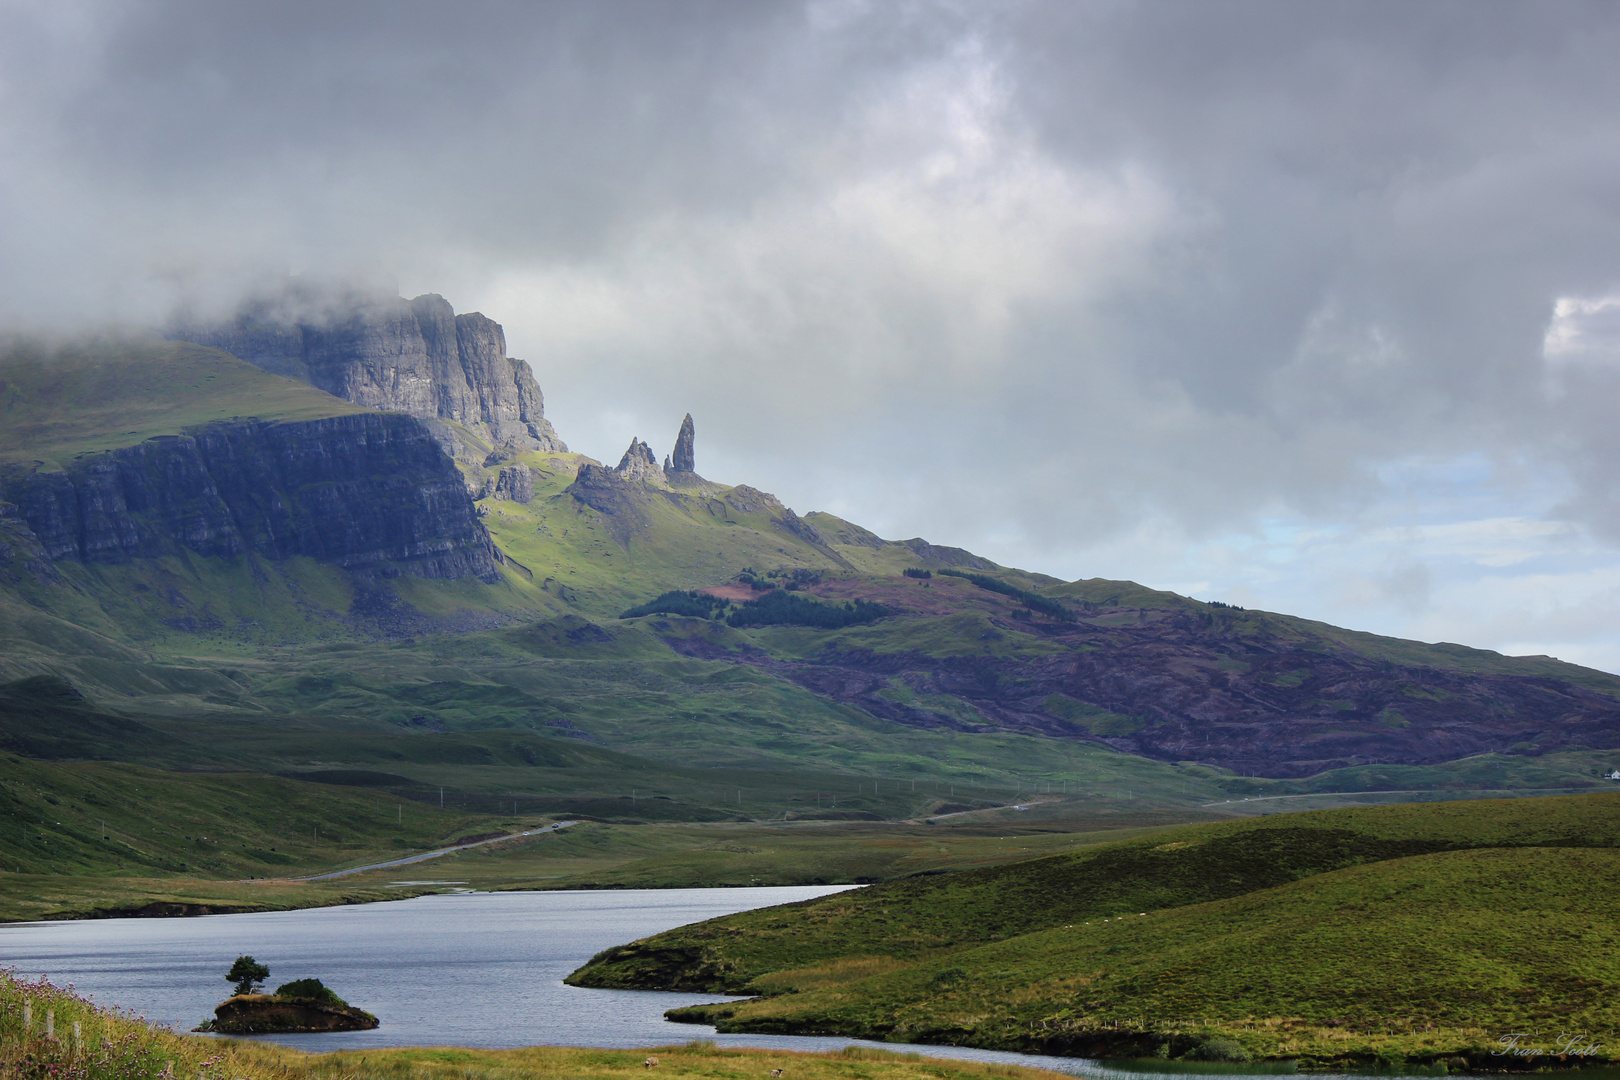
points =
(39, 1041)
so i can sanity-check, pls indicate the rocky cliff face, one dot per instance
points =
(417, 357)
(362, 491)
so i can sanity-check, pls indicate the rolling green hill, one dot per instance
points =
(1339, 935)
(1425, 960)
(915, 916)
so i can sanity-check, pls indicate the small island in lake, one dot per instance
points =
(303, 1005)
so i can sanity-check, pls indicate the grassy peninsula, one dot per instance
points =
(1414, 933)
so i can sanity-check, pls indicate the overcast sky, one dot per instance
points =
(1306, 306)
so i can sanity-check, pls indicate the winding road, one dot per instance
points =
(553, 827)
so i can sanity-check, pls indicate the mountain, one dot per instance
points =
(362, 517)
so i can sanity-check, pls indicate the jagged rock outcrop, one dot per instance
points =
(682, 460)
(515, 484)
(748, 500)
(417, 357)
(366, 491)
(639, 463)
(610, 494)
(947, 556)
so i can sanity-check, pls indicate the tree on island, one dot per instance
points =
(247, 973)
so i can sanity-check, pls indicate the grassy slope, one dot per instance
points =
(57, 404)
(915, 917)
(1394, 933)
(83, 835)
(677, 855)
(124, 1048)
(1425, 957)
(1239, 624)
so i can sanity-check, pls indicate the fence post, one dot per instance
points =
(50, 1023)
(28, 1018)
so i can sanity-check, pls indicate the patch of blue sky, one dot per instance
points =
(1460, 549)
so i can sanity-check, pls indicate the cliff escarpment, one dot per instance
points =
(363, 491)
(416, 357)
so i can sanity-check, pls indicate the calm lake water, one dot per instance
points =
(479, 969)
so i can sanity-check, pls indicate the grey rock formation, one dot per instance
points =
(639, 463)
(516, 484)
(364, 491)
(946, 556)
(417, 357)
(747, 500)
(799, 527)
(683, 461)
(611, 494)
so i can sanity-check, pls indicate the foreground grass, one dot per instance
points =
(88, 1043)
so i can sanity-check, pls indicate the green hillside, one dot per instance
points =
(1422, 960)
(1337, 935)
(56, 403)
(82, 836)
(912, 917)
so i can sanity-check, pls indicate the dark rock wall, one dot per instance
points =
(367, 490)
(417, 357)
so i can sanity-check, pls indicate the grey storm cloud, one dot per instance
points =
(1019, 274)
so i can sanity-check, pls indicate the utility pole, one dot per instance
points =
(441, 798)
